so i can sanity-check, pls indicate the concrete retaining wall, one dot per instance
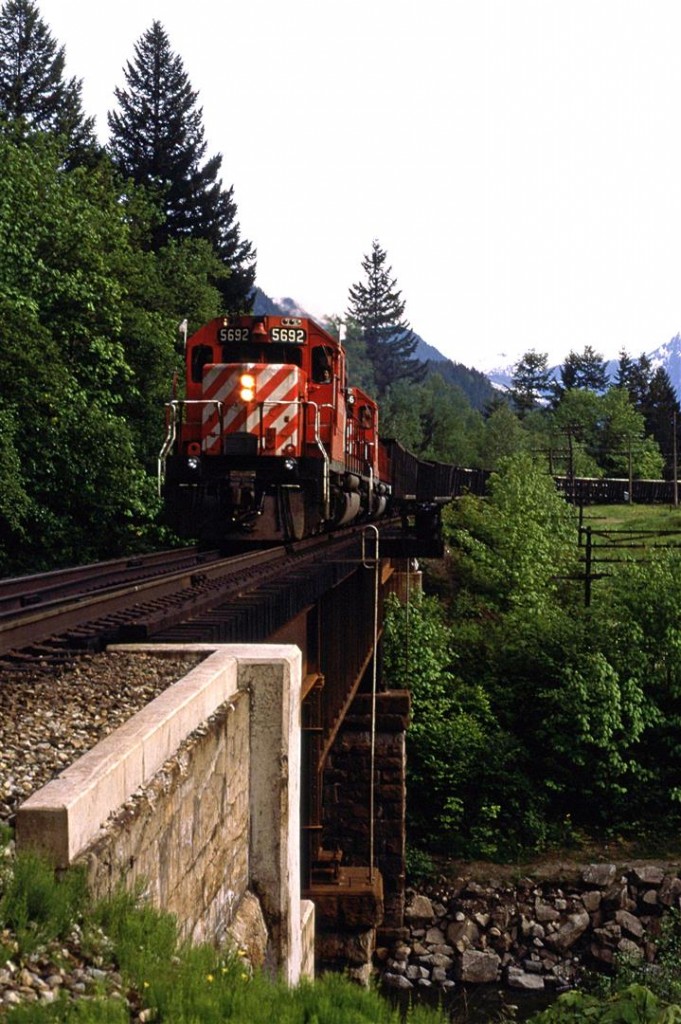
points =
(198, 796)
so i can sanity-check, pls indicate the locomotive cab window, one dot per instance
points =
(262, 354)
(366, 417)
(201, 355)
(322, 364)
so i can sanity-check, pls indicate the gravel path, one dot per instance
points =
(47, 721)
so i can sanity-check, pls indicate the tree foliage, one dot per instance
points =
(450, 719)
(88, 318)
(531, 381)
(575, 722)
(653, 395)
(157, 140)
(377, 308)
(432, 419)
(34, 94)
(602, 435)
(586, 369)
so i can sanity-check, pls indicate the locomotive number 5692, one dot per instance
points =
(291, 335)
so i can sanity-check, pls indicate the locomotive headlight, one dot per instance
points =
(247, 385)
(193, 462)
(290, 464)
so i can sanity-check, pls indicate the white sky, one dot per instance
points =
(519, 160)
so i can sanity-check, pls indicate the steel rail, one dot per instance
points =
(58, 616)
(18, 592)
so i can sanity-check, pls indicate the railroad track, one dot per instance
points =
(49, 618)
(22, 592)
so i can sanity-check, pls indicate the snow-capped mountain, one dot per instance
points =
(668, 356)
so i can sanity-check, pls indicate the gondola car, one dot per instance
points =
(269, 443)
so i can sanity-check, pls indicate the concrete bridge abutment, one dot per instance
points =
(197, 798)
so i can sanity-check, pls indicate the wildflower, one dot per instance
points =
(209, 978)
(145, 984)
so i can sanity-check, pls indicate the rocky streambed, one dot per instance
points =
(530, 934)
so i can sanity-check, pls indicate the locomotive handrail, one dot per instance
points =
(176, 407)
(169, 441)
(325, 456)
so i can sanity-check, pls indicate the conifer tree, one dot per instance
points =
(377, 307)
(157, 140)
(662, 413)
(34, 95)
(531, 381)
(625, 370)
(586, 370)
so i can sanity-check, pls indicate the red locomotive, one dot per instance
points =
(269, 442)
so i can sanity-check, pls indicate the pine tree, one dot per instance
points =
(640, 380)
(531, 381)
(662, 413)
(625, 370)
(34, 95)
(157, 140)
(585, 370)
(377, 307)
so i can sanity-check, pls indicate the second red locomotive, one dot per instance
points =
(269, 442)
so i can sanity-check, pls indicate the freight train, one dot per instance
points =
(270, 442)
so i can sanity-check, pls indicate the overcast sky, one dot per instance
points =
(519, 160)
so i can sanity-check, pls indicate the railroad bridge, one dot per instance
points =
(263, 796)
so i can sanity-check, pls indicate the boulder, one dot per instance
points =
(477, 967)
(396, 981)
(517, 978)
(569, 931)
(462, 933)
(599, 876)
(647, 875)
(629, 924)
(419, 908)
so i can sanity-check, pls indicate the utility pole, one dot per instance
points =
(674, 461)
(588, 559)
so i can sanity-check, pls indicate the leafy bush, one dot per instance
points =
(633, 1005)
(529, 710)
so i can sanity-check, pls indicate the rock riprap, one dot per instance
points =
(531, 935)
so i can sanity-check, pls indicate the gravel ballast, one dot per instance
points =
(49, 720)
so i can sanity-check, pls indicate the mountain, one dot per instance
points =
(428, 353)
(263, 305)
(473, 383)
(669, 357)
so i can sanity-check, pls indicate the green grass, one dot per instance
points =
(633, 517)
(37, 907)
(174, 982)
